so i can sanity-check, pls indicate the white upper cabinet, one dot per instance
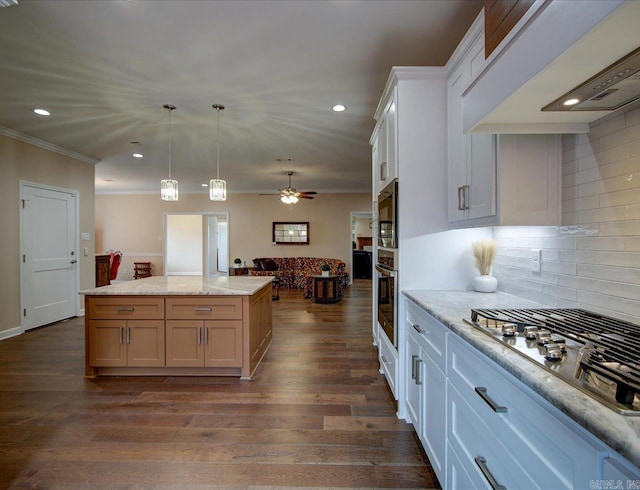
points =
(386, 166)
(496, 179)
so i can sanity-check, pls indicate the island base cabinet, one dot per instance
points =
(133, 343)
(177, 335)
(197, 343)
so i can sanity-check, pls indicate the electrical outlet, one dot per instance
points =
(536, 258)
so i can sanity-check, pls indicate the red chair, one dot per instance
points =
(115, 257)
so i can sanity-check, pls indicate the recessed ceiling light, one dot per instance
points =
(204, 185)
(138, 155)
(42, 112)
(571, 102)
(339, 108)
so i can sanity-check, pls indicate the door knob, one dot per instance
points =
(74, 261)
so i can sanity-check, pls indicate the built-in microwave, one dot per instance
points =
(388, 216)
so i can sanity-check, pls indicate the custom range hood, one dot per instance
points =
(560, 45)
(613, 88)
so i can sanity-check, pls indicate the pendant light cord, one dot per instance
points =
(218, 143)
(170, 138)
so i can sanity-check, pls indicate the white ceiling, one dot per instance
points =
(105, 68)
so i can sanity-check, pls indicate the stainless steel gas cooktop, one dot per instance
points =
(597, 354)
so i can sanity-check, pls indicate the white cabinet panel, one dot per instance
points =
(433, 427)
(388, 357)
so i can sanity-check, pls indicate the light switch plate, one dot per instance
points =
(85, 236)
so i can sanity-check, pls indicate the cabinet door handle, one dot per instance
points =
(463, 197)
(383, 170)
(203, 308)
(482, 464)
(417, 328)
(413, 366)
(199, 336)
(482, 391)
(128, 335)
(418, 380)
(206, 335)
(125, 308)
(121, 334)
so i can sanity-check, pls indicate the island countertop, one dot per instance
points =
(183, 285)
(620, 432)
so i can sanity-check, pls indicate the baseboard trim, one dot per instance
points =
(11, 332)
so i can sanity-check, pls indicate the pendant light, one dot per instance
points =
(218, 187)
(169, 187)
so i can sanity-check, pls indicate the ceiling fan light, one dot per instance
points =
(169, 190)
(217, 190)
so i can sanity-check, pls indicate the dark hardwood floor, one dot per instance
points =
(316, 415)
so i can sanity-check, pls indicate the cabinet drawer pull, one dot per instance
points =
(383, 170)
(418, 329)
(203, 308)
(413, 366)
(482, 391)
(482, 464)
(125, 308)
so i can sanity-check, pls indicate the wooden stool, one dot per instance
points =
(141, 269)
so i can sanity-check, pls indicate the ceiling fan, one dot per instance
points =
(289, 195)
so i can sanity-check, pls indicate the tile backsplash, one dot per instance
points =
(592, 261)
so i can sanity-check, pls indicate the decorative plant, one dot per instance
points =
(237, 261)
(325, 267)
(484, 251)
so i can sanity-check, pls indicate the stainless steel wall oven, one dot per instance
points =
(387, 297)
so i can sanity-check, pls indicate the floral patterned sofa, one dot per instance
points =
(298, 272)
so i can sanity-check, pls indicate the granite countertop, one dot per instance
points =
(184, 285)
(620, 432)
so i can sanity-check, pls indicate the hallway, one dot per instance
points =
(317, 414)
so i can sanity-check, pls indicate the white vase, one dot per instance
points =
(485, 284)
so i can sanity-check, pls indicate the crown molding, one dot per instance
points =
(10, 133)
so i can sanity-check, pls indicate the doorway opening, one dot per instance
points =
(196, 244)
(361, 245)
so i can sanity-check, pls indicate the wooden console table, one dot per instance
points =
(325, 289)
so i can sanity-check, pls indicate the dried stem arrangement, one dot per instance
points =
(484, 251)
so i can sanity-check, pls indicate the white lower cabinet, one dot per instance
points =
(388, 357)
(426, 384)
(545, 451)
(482, 428)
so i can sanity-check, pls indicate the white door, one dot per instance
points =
(49, 256)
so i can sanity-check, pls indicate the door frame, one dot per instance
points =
(204, 235)
(24, 326)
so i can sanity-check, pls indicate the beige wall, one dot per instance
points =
(133, 224)
(22, 161)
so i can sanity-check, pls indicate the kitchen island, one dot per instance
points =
(178, 326)
(561, 436)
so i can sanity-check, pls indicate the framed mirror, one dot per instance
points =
(290, 233)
